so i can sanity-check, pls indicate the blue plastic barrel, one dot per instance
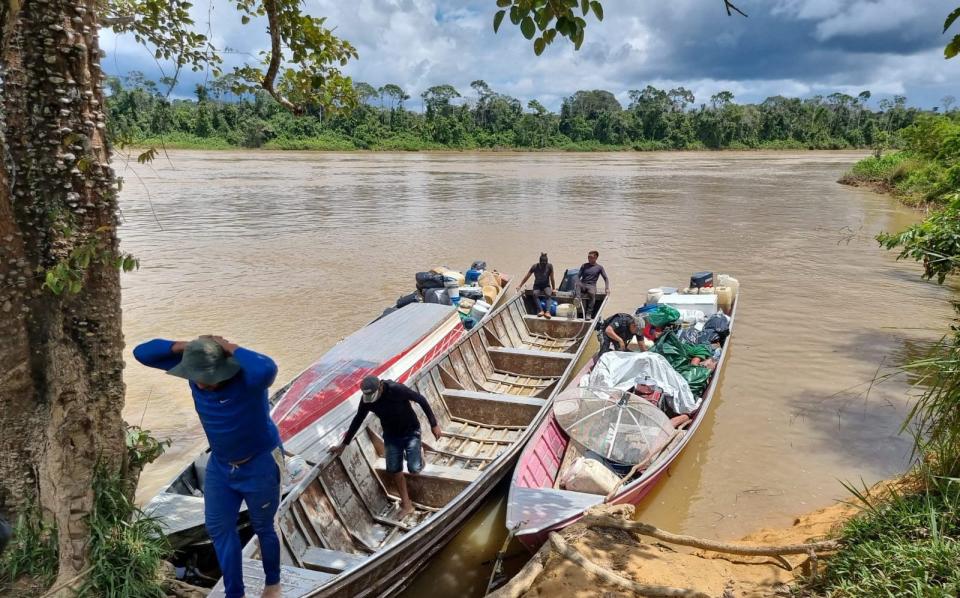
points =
(472, 276)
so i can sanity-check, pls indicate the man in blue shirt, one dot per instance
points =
(229, 386)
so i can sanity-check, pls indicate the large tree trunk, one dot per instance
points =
(61, 390)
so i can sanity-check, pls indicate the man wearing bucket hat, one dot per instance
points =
(229, 385)
(390, 401)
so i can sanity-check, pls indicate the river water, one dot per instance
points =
(290, 252)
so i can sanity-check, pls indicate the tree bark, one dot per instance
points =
(61, 388)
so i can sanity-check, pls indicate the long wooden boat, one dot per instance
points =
(490, 392)
(394, 346)
(536, 505)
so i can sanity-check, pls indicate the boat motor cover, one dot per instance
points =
(701, 280)
(570, 279)
(623, 370)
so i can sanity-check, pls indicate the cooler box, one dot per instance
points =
(703, 302)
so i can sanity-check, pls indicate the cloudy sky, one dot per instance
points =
(789, 47)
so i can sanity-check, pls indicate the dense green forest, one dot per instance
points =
(141, 114)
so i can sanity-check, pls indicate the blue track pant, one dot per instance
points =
(258, 483)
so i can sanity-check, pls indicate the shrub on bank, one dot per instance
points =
(904, 544)
(326, 142)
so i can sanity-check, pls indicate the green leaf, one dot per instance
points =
(538, 46)
(597, 9)
(497, 19)
(504, 3)
(584, 6)
(527, 27)
(515, 15)
(951, 18)
(953, 48)
(75, 286)
(244, 19)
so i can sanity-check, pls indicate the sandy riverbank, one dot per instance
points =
(649, 561)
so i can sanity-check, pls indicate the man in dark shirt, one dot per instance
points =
(590, 273)
(618, 331)
(543, 284)
(390, 401)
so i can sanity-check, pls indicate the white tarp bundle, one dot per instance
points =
(622, 370)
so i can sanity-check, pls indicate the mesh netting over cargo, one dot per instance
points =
(615, 424)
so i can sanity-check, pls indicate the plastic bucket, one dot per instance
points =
(453, 287)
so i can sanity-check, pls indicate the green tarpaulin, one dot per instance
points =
(679, 354)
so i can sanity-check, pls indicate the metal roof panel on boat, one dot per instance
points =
(537, 508)
(363, 353)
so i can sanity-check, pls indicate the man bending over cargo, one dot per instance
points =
(229, 387)
(390, 401)
(618, 331)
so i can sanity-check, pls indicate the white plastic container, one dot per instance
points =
(691, 317)
(479, 310)
(453, 286)
(704, 303)
(653, 296)
(566, 310)
(725, 280)
(590, 476)
(725, 298)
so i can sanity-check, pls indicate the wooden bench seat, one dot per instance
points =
(435, 486)
(492, 409)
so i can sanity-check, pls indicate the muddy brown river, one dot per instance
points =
(290, 252)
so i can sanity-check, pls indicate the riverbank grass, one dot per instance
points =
(905, 543)
(925, 172)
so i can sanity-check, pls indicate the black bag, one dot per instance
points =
(479, 265)
(439, 296)
(429, 280)
(715, 329)
(408, 299)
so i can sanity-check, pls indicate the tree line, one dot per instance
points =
(140, 112)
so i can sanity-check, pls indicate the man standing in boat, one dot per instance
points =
(543, 284)
(229, 386)
(590, 274)
(390, 401)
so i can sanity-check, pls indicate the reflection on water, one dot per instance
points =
(289, 252)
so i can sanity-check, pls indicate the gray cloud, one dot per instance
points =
(790, 47)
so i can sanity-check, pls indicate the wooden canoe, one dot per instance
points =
(394, 346)
(490, 392)
(536, 506)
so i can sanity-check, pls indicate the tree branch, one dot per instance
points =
(270, 77)
(740, 549)
(729, 6)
